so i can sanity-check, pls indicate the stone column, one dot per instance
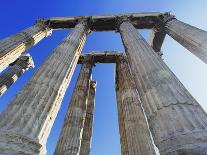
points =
(17, 68)
(192, 38)
(88, 125)
(12, 47)
(177, 122)
(71, 135)
(134, 133)
(26, 123)
(157, 37)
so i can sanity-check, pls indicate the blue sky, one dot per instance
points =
(17, 15)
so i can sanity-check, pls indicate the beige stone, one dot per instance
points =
(71, 135)
(134, 133)
(192, 38)
(26, 123)
(88, 125)
(13, 46)
(16, 69)
(177, 122)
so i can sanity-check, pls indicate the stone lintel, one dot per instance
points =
(100, 57)
(106, 22)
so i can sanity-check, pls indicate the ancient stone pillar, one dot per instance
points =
(17, 68)
(157, 37)
(12, 47)
(177, 122)
(192, 38)
(134, 133)
(26, 123)
(88, 125)
(71, 135)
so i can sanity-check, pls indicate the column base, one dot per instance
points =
(11, 143)
(189, 143)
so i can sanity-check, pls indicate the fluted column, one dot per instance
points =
(13, 46)
(134, 133)
(192, 38)
(26, 123)
(88, 125)
(17, 68)
(177, 122)
(71, 135)
(157, 37)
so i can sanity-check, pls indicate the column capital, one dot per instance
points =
(24, 61)
(86, 21)
(89, 59)
(93, 84)
(41, 22)
(163, 20)
(121, 59)
(120, 20)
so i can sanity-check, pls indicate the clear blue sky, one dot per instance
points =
(17, 15)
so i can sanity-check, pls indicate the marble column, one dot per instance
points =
(71, 135)
(192, 38)
(134, 133)
(26, 123)
(13, 46)
(88, 125)
(177, 122)
(16, 69)
(157, 37)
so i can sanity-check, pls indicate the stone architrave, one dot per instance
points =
(88, 125)
(26, 123)
(16, 69)
(70, 139)
(134, 133)
(14, 46)
(177, 122)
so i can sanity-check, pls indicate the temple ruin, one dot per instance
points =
(150, 98)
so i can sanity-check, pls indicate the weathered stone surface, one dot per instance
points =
(22, 64)
(71, 135)
(26, 123)
(134, 133)
(192, 38)
(12, 47)
(100, 57)
(177, 122)
(88, 125)
(145, 20)
(157, 37)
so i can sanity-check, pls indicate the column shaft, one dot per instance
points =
(88, 125)
(177, 122)
(22, 64)
(192, 38)
(157, 37)
(71, 135)
(26, 123)
(134, 133)
(12, 47)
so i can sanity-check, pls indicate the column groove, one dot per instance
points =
(72, 131)
(13, 46)
(31, 113)
(190, 37)
(134, 132)
(22, 64)
(177, 121)
(85, 148)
